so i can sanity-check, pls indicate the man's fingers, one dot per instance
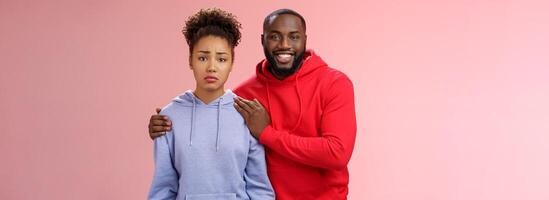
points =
(156, 134)
(157, 117)
(244, 105)
(161, 117)
(156, 129)
(251, 104)
(240, 110)
(160, 122)
(258, 104)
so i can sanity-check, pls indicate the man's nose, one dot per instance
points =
(284, 44)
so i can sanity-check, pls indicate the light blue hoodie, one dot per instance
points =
(209, 154)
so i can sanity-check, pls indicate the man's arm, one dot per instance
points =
(332, 149)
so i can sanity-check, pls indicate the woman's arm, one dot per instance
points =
(258, 185)
(165, 181)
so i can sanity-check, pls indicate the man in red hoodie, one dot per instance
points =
(300, 109)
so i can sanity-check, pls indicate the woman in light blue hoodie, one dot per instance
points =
(209, 153)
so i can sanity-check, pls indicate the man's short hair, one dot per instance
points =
(282, 12)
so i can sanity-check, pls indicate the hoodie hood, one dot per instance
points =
(189, 99)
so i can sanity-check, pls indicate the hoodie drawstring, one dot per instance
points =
(218, 123)
(300, 104)
(193, 122)
(298, 97)
(193, 119)
(269, 101)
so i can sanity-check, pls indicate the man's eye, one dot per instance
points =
(294, 37)
(222, 60)
(275, 37)
(202, 58)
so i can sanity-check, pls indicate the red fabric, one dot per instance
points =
(311, 139)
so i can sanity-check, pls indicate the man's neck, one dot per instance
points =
(280, 76)
(277, 76)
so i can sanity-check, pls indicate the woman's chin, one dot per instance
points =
(212, 88)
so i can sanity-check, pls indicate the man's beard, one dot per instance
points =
(283, 72)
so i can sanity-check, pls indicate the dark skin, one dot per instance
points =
(255, 115)
(159, 124)
(285, 34)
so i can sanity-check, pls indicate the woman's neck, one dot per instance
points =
(208, 96)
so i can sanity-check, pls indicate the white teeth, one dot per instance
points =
(284, 58)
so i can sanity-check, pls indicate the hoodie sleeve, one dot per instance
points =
(165, 180)
(258, 185)
(333, 148)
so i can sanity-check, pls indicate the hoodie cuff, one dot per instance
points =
(268, 136)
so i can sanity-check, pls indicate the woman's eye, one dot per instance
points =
(202, 58)
(222, 60)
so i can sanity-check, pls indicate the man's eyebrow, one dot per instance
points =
(204, 51)
(291, 32)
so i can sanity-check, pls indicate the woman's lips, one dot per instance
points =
(211, 79)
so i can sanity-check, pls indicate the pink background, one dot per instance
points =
(452, 96)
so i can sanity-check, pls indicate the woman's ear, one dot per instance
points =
(190, 62)
(232, 62)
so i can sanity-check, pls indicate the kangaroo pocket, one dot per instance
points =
(221, 196)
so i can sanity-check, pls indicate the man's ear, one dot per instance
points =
(261, 39)
(305, 41)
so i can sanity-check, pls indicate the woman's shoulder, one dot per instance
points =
(172, 108)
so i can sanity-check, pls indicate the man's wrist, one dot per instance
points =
(258, 134)
(266, 136)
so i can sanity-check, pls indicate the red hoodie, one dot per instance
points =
(311, 138)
